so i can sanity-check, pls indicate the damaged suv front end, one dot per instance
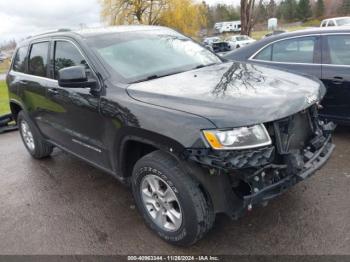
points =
(267, 135)
(291, 150)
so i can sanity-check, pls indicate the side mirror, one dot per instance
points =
(75, 77)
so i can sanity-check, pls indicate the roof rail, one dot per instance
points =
(51, 32)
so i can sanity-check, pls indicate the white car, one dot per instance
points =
(337, 21)
(237, 41)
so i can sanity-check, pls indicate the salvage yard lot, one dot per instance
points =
(61, 205)
(4, 103)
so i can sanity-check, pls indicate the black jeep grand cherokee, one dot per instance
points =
(193, 135)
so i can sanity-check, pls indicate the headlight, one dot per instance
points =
(238, 138)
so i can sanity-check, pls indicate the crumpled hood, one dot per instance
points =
(232, 94)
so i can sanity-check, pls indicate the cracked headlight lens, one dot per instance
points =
(238, 138)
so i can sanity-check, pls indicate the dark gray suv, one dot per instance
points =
(191, 134)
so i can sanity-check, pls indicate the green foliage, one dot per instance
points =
(304, 10)
(221, 12)
(312, 23)
(319, 10)
(4, 99)
(271, 9)
(288, 10)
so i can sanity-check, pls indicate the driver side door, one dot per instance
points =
(73, 119)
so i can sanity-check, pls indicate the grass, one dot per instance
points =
(4, 99)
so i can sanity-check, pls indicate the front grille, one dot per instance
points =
(294, 132)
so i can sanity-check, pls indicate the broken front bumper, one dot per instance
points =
(262, 192)
(301, 145)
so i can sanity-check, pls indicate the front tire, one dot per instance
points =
(170, 201)
(32, 138)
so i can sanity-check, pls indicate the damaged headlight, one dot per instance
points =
(238, 138)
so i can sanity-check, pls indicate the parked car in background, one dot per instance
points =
(323, 53)
(337, 21)
(225, 27)
(191, 134)
(220, 48)
(208, 41)
(216, 45)
(237, 41)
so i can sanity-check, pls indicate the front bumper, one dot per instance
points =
(265, 193)
(301, 145)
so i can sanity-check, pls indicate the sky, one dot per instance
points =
(22, 18)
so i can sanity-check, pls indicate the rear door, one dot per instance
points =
(298, 54)
(336, 76)
(34, 80)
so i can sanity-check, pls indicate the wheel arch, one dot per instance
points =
(15, 108)
(136, 143)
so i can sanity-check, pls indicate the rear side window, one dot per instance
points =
(331, 23)
(297, 50)
(20, 59)
(66, 55)
(339, 50)
(38, 59)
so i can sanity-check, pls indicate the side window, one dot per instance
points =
(339, 49)
(38, 59)
(20, 59)
(265, 54)
(298, 50)
(331, 23)
(66, 55)
(324, 23)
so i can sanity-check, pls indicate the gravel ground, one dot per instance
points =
(61, 205)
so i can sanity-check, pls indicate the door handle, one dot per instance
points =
(23, 82)
(337, 80)
(53, 91)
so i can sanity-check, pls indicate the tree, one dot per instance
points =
(319, 9)
(345, 7)
(132, 11)
(247, 20)
(271, 9)
(261, 12)
(221, 12)
(304, 10)
(184, 15)
(288, 10)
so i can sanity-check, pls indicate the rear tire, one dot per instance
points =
(31, 137)
(193, 211)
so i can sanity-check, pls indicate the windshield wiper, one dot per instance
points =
(151, 77)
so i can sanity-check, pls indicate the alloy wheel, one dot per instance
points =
(161, 203)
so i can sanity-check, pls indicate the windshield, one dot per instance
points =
(138, 56)
(343, 21)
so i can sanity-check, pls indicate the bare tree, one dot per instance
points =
(132, 11)
(247, 13)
